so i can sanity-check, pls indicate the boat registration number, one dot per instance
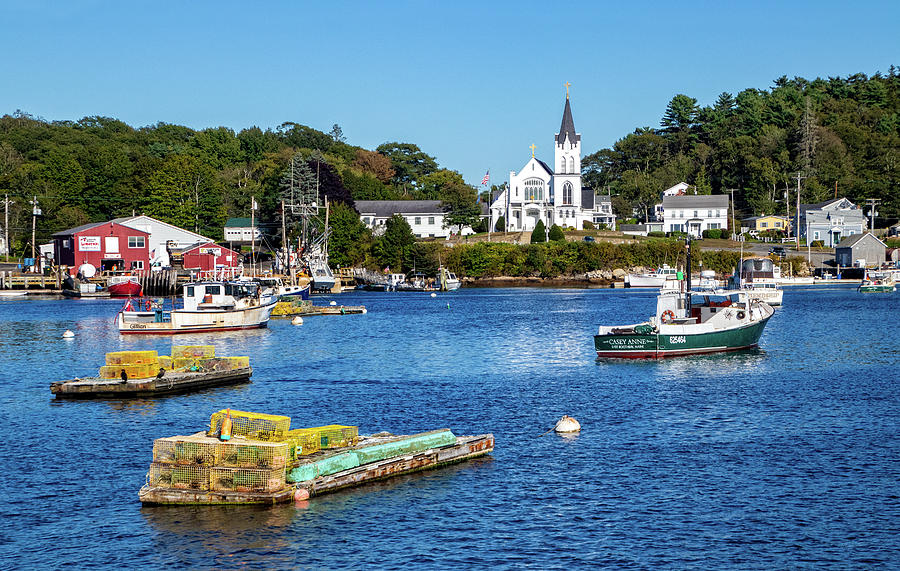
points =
(677, 339)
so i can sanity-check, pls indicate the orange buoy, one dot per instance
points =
(225, 432)
(301, 494)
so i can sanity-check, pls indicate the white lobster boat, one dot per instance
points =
(208, 306)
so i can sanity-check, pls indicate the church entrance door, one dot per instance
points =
(532, 216)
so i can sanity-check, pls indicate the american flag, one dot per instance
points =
(487, 177)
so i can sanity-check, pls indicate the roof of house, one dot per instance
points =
(239, 223)
(201, 244)
(387, 208)
(126, 219)
(752, 218)
(821, 205)
(851, 241)
(567, 127)
(83, 227)
(696, 201)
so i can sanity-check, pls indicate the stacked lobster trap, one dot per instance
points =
(146, 364)
(256, 459)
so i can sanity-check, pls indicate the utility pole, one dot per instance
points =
(731, 191)
(6, 203)
(253, 234)
(35, 212)
(872, 202)
(797, 233)
(284, 242)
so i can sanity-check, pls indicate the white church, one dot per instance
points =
(552, 194)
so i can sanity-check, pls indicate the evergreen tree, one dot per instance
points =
(539, 234)
(556, 234)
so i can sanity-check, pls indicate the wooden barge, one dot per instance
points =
(172, 382)
(456, 449)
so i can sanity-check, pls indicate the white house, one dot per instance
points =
(161, 234)
(679, 189)
(425, 217)
(695, 213)
(830, 221)
(241, 231)
(553, 194)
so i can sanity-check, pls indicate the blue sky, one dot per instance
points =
(472, 83)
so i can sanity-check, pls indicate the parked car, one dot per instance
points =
(778, 251)
(589, 239)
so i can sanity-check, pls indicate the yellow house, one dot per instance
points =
(766, 222)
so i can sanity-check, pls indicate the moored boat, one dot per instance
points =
(447, 280)
(688, 323)
(124, 286)
(656, 277)
(207, 306)
(759, 278)
(877, 282)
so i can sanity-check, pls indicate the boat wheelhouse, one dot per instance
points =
(654, 278)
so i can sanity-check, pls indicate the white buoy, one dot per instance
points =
(567, 424)
(333, 303)
(297, 320)
(433, 294)
(68, 334)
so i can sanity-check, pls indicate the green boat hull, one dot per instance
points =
(660, 345)
(876, 289)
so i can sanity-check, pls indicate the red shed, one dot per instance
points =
(206, 256)
(104, 245)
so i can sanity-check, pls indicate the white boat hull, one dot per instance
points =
(199, 321)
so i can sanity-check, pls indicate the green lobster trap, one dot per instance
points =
(302, 441)
(261, 455)
(178, 477)
(336, 435)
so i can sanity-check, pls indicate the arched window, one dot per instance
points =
(572, 165)
(567, 193)
(534, 189)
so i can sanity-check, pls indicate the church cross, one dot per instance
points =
(567, 84)
(532, 147)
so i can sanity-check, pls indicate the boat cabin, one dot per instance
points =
(671, 306)
(220, 295)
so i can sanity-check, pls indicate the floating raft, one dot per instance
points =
(306, 308)
(173, 382)
(370, 459)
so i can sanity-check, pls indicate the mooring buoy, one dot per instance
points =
(69, 334)
(433, 294)
(567, 424)
(297, 320)
(333, 303)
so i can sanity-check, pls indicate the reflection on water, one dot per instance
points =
(705, 461)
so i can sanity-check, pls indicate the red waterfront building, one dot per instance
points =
(104, 245)
(206, 256)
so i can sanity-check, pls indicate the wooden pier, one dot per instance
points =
(171, 382)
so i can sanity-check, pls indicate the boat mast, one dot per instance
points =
(687, 274)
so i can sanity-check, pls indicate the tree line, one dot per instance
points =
(841, 135)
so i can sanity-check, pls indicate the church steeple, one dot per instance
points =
(568, 125)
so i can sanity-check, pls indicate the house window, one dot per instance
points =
(816, 235)
(137, 265)
(709, 214)
(713, 225)
(567, 193)
(778, 223)
(418, 220)
(366, 220)
(431, 219)
(763, 224)
(695, 214)
(136, 242)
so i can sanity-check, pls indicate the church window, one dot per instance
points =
(534, 189)
(572, 165)
(567, 193)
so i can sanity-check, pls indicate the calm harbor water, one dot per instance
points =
(787, 456)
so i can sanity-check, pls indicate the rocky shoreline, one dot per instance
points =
(595, 279)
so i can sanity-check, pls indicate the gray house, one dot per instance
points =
(862, 250)
(830, 221)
